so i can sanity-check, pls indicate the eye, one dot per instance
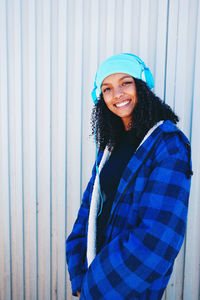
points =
(106, 90)
(127, 82)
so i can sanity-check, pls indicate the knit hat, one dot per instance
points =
(121, 63)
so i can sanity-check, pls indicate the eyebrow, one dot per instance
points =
(125, 76)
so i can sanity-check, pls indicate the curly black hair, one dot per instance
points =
(108, 128)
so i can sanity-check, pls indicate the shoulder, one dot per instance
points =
(172, 139)
(164, 138)
(173, 144)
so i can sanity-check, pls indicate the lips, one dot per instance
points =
(122, 103)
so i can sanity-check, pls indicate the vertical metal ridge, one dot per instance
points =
(36, 147)
(174, 100)
(22, 148)
(66, 136)
(98, 33)
(189, 265)
(50, 152)
(82, 95)
(8, 126)
(194, 66)
(166, 51)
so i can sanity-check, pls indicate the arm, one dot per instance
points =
(76, 242)
(137, 260)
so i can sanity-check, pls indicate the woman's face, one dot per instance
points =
(119, 93)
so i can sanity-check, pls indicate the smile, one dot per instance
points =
(122, 104)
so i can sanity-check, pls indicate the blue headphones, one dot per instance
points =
(127, 63)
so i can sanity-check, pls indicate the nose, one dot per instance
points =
(117, 92)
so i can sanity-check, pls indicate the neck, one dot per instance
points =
(128, 125)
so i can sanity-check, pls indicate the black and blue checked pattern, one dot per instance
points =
(146, 227)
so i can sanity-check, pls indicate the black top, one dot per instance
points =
(109, 179)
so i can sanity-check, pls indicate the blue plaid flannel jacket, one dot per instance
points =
(146, 227)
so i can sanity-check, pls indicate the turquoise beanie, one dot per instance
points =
(121, 63)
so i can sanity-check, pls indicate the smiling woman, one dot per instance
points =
(132, 220)
(119, 93)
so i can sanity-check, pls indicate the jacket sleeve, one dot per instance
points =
(76, 241)
(138, 259)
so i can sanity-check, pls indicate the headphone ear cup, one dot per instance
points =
(149, 78)
(146, 73)
(94, 95)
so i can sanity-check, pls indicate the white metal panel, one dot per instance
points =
(110, 26)
(105, 36)
(185, 62)
(90, 60)
(161, 42)
(54, 48)
(43, 134)
(5, 257)
(171, 53)
(127, 27)
(58, 180)
(133, 26)
(154, 24)
(192, 256)
(74, 73)
(144, 30)
(119, 7)
(74, 113)
(15, 145)
(29, 147)
(148, 20)
(183, 92)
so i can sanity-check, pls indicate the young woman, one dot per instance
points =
(132, 220)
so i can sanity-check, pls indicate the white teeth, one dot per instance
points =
(122, 104)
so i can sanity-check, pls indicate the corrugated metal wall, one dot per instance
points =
(49, 52)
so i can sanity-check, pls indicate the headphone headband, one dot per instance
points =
(127, 63)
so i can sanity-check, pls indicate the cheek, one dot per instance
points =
(132, 91)
(107, 102)
(110, 106)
